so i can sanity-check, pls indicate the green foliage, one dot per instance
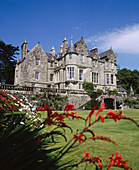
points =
(88, 86)
(91, 104)
(115, 91)
(99, 91)
(20, 147)
(128, 78)
(55, 101)
(7, 62)
(132, 103)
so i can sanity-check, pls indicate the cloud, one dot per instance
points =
(125, 40)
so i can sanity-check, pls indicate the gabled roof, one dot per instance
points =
(50, 56)
(105, 54)
(81, 41)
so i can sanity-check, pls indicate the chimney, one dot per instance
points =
(61, 49)
(94, 51)
(65, 45)
(23, 49)
(53, 51)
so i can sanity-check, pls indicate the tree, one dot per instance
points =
(128, 78)
(7, 62)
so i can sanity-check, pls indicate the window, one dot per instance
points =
(58, 76)
(82, 58)
(16, 73)
(107, 64)
(112, 65)
(111, 78)
(80, 86)
(37, 61)
(97, 77)
(92, 77)
(37, 75)
(107, 78)
(70, 56)
(71, 72)
(80, 74)
(51, 77)
(51, 64)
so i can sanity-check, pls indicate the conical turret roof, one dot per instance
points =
(71, 48)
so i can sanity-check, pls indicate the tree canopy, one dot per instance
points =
(7, 62)
(128, 78)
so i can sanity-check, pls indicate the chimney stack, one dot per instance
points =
(65, 45)
(23, 49)
(53, 51)
(94, 51)
(61, 49)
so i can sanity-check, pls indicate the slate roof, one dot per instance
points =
(50, 56)
(71, 48)
(120, 89)
(105, 54)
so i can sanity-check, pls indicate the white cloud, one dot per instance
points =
(125, 40)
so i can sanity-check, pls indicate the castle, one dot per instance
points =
(67, 69)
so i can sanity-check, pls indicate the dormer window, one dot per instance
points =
(107, 64)
(51, 64)
(37, 61)
(70, 56)
(82, 58)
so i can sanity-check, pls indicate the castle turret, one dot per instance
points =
(23, 49)
(71, 48)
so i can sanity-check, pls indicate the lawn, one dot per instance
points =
(124, 132)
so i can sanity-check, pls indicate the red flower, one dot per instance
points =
(97, 159)
(79, 137)
(86, 155)
(39, 141)
(73, 115)
(38, 108)
(48, 122)
(102, 119)
(89, 115)
(117, 161)
(49, 111)
(69, 107)
(61, 118)
(102, 107)
(43, 109)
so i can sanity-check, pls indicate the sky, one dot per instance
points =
(101, 23)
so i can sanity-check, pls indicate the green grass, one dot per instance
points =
(124, 132)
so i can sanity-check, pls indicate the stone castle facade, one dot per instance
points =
(67, 69)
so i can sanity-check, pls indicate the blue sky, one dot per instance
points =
(102, 23)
